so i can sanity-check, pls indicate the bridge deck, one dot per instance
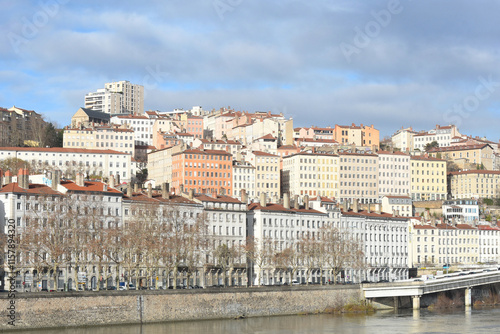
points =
(439, 284)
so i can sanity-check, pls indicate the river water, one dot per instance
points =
(458, 321)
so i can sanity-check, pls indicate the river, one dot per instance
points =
(459, 321)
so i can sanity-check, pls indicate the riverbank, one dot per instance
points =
(68, 309)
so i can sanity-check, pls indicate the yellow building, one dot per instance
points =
(267, 173)
(474, 184)
(428, 178)
(311, 174)
(358, 177)
(467, 156)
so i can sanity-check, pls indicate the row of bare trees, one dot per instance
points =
(84, 233)
(331, 250)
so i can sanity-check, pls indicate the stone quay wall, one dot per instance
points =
(66, 309)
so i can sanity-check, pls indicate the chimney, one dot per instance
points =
(165, 191)
(296, 202)
(377, 208)
(263, 199)
(136, 187)
(56, 179)
(181, 187)
(368, 208)
(21, 178)
(244, 196)
(306, 202)
(355, 205)
(104, 186)
(8, 177)
(191, 193)
(286, 200)
(345, 205)
(129, 190)
(79, 179)
(111, 181)
(117, 179)
(150, 190)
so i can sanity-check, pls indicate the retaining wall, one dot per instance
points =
(58, 309)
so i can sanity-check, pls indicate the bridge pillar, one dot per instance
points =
(468, 297)
(396, 303)
(416, 302)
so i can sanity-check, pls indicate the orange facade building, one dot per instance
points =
(204, 171)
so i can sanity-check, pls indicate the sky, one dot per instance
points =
(390, 63)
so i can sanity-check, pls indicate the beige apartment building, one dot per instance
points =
(393, 174)
(474, 184)
(428, 178)
(358, 177)
(313, 174)
(100, 138)
(267, 173)
(439, 244)
(160, 164)
(467, 156)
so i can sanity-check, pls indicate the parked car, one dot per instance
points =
(295, 282)
(111, 287)
(131, 286)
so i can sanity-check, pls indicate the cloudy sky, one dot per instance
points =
(322, 62)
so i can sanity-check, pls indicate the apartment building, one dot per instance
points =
(474, 184)
(141, 124)
(204, 171)
(428, 178)
(313, 174)
(276, 228)
(443, 135)
(467, 156)
(360, 136)
(56, 211)
(243, 179)
(267, 173)
(121, 97)
(94, 162)
(393, 174)
(461, 210)
(444, 243)
(403, 139)
(314, 132)
(489, 241)
(19, 126)
(397, 205)
(358, 177)
(100, 138)
(160, 163)
(384, 241)
(231, 146)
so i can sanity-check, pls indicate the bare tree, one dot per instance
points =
(259, 254)
(341, 250)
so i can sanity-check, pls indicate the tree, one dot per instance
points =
(341, 249)
(431, 145)
(259, 254)
(142, 175)
(14, 164)
(51, 137)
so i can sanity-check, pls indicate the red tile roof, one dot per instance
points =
(90, 186)
(40, 189)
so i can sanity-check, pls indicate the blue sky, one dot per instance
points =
(387, 63)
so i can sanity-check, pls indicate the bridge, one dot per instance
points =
(416, 288)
